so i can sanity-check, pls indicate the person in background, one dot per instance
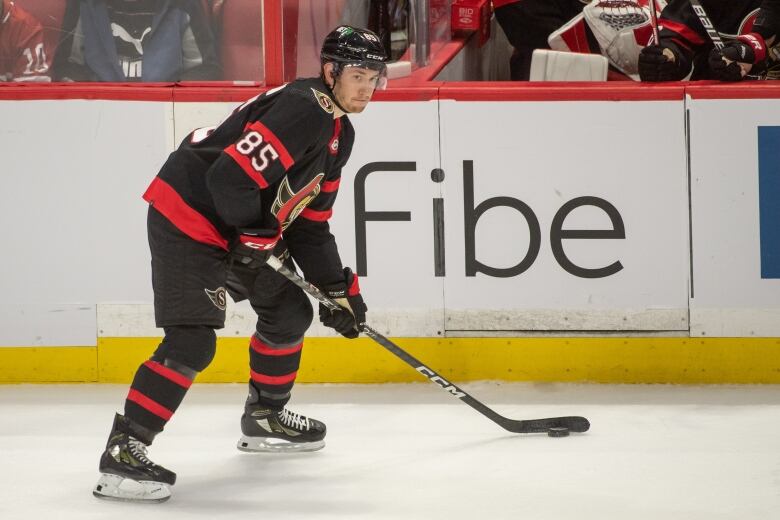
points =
(621, 28)
(389, 20)
(23, 54)
(137, 40)
(527, 25)
(748, 29)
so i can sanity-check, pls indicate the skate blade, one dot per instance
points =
(274, 445)
(114, 487)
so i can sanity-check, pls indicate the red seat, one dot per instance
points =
(240, 26)
(50, 14)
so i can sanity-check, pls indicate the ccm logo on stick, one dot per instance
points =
(430, 374)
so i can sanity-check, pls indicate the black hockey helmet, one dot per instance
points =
(348, 46)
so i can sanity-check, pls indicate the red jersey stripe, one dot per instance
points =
(270, 137)
(261, 348)
(146, 403)
(331, 186)
(683, 30)
(168, 373)
(245, 163)
(317, 216)
(164, 198)
(273, 380)
(333, 144)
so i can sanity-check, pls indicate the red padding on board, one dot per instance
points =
(459, 91)
(560, 91)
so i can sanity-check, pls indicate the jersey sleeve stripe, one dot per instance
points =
(164, 198)
(317, 216)
(246, 164)
(270, 137)
(683, 30)
(331, 186)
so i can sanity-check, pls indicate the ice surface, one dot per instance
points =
(412, 451)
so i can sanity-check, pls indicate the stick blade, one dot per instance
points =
(572, 423)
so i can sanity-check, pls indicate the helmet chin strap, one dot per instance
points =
(333, 94)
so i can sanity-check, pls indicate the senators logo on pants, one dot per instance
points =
(218, 297)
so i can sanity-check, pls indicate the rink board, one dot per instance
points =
(736, 224)
(333, 360)
(478, 213)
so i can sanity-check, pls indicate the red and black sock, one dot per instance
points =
(155, 394)
(273, 369)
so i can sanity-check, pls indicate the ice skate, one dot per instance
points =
(127, 474)
(270, 430)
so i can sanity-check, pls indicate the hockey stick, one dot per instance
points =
(550, 425)
(713, 33)
(654, 22)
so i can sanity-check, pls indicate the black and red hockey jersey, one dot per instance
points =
(679, 23)
(273, 165)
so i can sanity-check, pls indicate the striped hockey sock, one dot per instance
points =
(273, 368)
(155, 394)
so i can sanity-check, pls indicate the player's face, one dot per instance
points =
(354, 88)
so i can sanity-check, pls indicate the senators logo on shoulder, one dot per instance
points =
(324, 101)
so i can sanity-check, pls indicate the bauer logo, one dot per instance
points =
(768, 197)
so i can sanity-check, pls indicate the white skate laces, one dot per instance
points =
(273, 430)
(139, 450)
(126, 481)
(293, 420)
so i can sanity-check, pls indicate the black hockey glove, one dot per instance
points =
(348, 322)
(662, 63)
(252, 248)
(736, 58)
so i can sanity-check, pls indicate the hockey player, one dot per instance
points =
(621, 28)
(263, 182)
(748, 28)
(23, 52)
